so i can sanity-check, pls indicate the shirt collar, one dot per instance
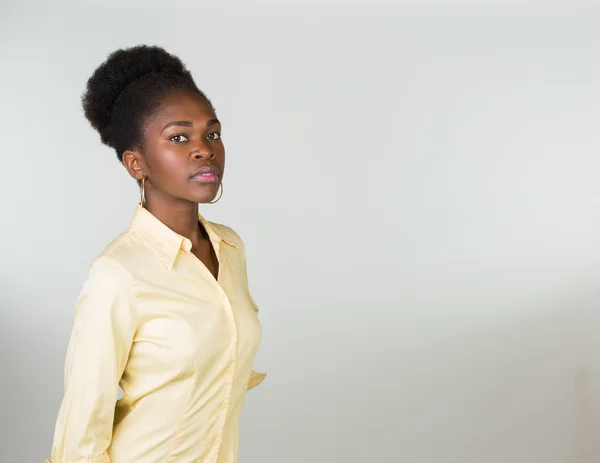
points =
(165, 242)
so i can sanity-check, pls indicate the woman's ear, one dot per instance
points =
(134, 163)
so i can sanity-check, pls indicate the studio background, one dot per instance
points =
(417, 187)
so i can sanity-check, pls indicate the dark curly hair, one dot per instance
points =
(126, 88)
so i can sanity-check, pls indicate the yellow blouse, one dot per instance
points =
(180, 343)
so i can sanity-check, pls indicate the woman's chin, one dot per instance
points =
(208, 195)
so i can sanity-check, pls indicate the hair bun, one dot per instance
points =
(115, 74)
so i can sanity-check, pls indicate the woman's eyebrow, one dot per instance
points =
(188, 124)
(180, 123)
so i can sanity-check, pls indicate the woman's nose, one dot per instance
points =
(203, 151)
(207, 155)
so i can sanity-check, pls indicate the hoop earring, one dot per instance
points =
(143, 192)
(221, 194)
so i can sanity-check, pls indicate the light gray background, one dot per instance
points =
(417, 186)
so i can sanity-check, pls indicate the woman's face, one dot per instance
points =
(183, 156)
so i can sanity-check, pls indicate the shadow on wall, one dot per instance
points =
(30, 384)
(523, 393)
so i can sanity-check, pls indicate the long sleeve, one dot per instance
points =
(103, 330)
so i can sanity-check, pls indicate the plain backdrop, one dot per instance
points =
(418, 189)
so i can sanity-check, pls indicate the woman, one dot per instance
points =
(165, 311)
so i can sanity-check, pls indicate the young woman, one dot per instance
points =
(165, 311)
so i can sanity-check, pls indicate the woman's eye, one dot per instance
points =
(214, 136)
(178, 138)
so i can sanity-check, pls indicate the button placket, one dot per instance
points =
(230, 370)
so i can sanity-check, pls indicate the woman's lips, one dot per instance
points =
(206, 175)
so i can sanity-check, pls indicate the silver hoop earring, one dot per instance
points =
(143, 192)
(220, 194)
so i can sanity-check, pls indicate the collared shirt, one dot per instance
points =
(181, 344)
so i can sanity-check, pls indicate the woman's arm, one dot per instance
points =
(103, 330)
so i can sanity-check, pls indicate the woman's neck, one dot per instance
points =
(180, 216)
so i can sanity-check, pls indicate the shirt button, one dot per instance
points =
(223, 406)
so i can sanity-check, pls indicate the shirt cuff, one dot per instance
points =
(255, 379)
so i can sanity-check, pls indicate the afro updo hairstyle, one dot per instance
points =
(126, 88)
